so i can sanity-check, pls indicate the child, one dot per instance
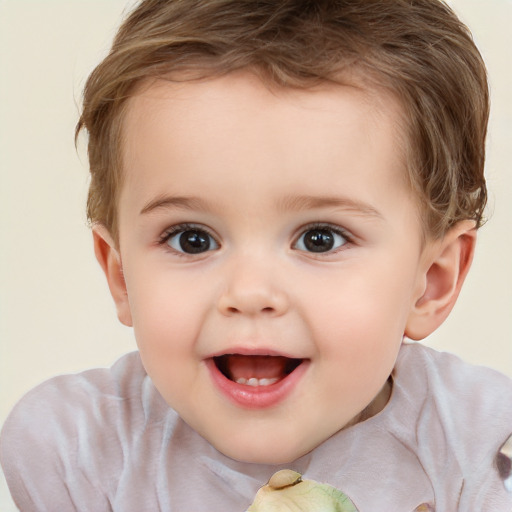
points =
(281, 191)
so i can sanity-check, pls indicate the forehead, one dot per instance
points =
(194, 133)
(230, 91)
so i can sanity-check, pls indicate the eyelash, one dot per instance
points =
(174, 230)
(327, 227)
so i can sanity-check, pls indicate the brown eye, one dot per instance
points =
(192, 241)
(321, 239)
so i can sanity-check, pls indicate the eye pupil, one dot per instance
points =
(318, 240)
(194, 242)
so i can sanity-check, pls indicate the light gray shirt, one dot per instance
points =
(105, 440)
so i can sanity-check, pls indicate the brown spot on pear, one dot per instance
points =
(284, 478)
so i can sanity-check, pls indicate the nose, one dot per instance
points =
(252, 289)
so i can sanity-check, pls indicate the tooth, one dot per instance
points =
(255, 382)
(267, 382)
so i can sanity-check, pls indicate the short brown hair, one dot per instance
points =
(418, 49)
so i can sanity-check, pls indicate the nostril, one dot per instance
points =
(255, 300)
(266, 310)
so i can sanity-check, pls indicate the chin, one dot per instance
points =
(273, 454)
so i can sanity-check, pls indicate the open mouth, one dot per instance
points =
(256, 371)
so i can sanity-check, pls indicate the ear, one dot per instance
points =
(447, 265)
(109, 259)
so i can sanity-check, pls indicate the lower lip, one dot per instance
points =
(257, 397)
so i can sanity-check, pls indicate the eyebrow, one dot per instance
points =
(175, 202)
(289, 203)
(299, 203)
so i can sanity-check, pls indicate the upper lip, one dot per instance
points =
(253, 351)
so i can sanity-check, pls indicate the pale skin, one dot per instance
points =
(308, 245)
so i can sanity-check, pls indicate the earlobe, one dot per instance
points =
(449, 262)
(110, 261)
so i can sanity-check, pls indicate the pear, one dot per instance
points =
(287, 492)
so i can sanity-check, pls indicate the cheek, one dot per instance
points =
(166, 326)
(166, 314)
(362, 311)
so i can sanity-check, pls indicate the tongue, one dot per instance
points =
(259, 367)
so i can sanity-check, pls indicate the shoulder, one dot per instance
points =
(62, 403)
(446, 362)
(462, 394)
(60, 399)
(70, 432)
(462, 416)
(462, 385)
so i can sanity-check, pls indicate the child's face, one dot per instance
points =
(267, 237)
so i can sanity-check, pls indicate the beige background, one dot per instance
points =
(56, 315)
